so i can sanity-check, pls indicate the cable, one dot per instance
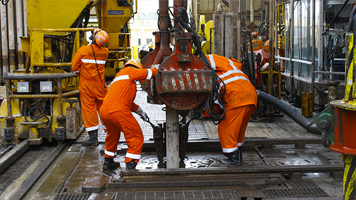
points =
(4, 2)
(96, 3)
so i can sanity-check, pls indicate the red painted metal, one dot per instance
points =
(183, 80)
(345, 131)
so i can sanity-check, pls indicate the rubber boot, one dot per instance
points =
(93, 139)
(110, 164)
(235, 158)
(131, 165)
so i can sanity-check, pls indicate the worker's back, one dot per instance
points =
(257, 44)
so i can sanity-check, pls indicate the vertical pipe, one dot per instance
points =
(271, 54)
(25, 17)
(11, 35)
(195, 14)
(291, 39)
(8, 100)
(313, 53)
(321, 40)
(19, 33)
(252, 11)
(1, 57)
(164, 22)
(4, 41)
(235, 7)
(275, 52)
(172, 138)
(300, 37)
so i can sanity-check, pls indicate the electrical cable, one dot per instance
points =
(96, 3)
(4, 2)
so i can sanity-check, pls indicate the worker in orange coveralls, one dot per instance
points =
(89, 64)
(257, 44)
(240, 101)
(116, 114)
(266, 46)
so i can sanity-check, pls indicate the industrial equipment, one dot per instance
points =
(184, 81)
(42, 99)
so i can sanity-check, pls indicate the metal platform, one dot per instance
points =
(280, 161)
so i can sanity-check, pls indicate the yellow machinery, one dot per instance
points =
(208, 32)
(42, 99)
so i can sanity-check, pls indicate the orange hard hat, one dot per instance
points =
(134, 63)
(101, 38)
(254, 34)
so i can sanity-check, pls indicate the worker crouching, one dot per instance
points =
(89, 64)
(240, 101)
(116, 114)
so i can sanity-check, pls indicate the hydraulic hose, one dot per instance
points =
(289, 111)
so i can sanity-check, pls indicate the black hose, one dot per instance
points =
(288, 110)
(96, 3)
(4, 2)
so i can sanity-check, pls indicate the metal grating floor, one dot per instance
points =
(303, 188)
(271, 153)
(84, 196)
(182, 195)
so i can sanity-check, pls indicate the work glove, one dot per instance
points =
(155, 66)
(143, 115)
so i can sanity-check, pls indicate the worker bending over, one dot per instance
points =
(257, 44)
(89, 64)
(116, 114)
(240, 101)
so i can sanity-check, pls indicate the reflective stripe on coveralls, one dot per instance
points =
(92, 128)
(239, 101)
(92, 91)
(117, 109)
(102, 62)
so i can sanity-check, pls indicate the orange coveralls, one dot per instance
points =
(256, 45)
(92, 88)
(240, 101)
(116, 112)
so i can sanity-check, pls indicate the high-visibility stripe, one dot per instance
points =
(230, 72)
(109, 153)
(133, 156)
(240, 144)
(232, 65)
(149, 76)
(100, 40)
(123, 77)
(93, 61)
(212, 62)
(229, 150)
(233, 79)
(136, 63)
(92, 128)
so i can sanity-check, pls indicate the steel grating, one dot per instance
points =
(271, 153)
(190, 194)
(303, 188)
(84, 196)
